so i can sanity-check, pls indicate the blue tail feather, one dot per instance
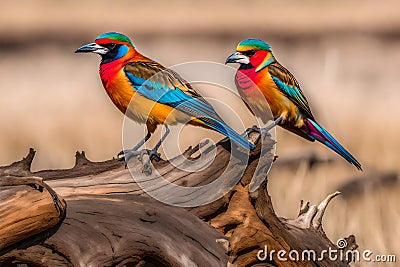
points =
(229, 132)
(320, 134)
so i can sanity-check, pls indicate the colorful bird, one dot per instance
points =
(260, 71)
(159, 95)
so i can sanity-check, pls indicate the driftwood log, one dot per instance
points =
(109, 220)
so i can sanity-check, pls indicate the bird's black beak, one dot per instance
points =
(237, 57)
(92, 48)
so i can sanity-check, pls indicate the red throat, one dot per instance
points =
(245, 79)
(109, 71)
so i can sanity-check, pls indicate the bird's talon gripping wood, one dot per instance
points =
(129, 154)
(147, 167)
(154, 155)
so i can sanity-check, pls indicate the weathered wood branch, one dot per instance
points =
(28, 207)
(112, 221)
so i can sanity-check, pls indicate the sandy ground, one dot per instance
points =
(345, 55)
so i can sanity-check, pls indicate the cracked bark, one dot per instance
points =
(111, 221)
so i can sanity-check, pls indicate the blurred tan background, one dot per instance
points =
(345, 54)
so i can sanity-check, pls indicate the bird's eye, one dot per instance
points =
(110, 46)
(249, 53)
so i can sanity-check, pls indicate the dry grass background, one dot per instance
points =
(344, 53)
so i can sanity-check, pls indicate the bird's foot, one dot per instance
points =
(147, 165)
(154, 155)
(264, 132)
(130, 153)
(252, 129)
(147, 168)
(268, 128)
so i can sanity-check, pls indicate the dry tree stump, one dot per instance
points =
(111, 221)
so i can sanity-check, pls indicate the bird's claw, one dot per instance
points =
(121, 154)
(147, 165)
(252, 129)
(154, 155)
(128, 154)
(264, 132)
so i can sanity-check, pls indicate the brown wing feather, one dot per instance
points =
(280, 72)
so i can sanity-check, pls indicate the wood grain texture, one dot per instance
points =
(128, 230)
(27, 207)
(112, 221)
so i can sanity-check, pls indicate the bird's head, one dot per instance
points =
(110, 46)
(252, 53)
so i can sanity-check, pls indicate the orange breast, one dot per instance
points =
(139, 108)
(265, 97)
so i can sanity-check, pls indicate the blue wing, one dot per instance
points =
(165, 86)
